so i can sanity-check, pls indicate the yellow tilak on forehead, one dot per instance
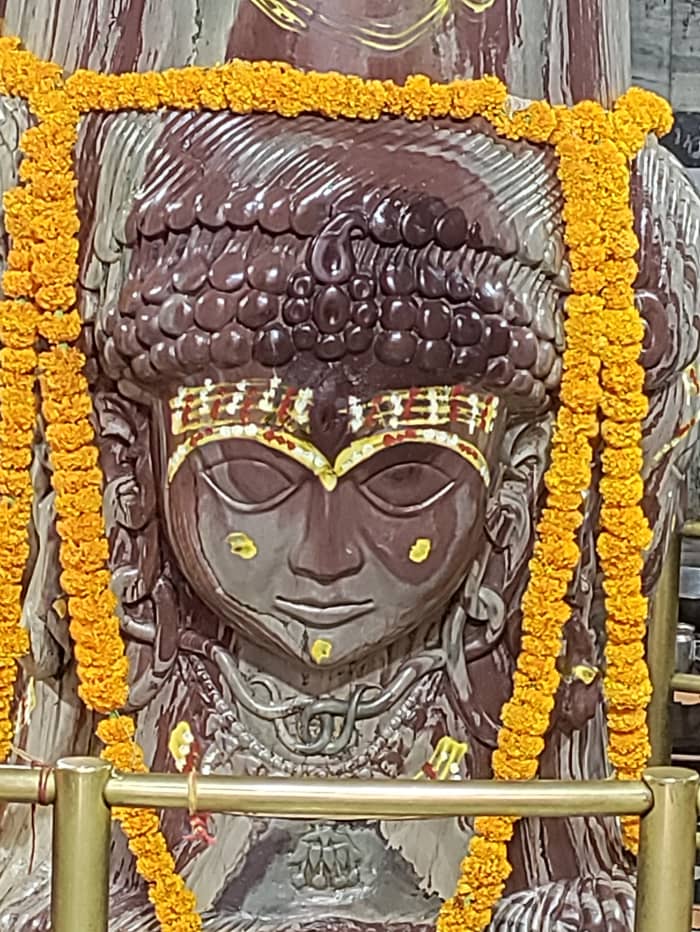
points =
(273, 415)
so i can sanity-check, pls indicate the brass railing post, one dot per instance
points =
(666, 877)
(81, 837)
(662, 653)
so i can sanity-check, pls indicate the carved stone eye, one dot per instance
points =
(249, 482)
(407, 485)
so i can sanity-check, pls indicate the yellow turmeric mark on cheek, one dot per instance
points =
(585, 673)
(420, 550)
(321, 650)
(242, 545)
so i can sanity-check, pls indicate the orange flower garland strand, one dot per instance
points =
(275, 87)
(604, 336)
(601, 370)
(175, 906)
(18, 404)
(625, 532)
(19, 319)
(556, 554)
(42, 219)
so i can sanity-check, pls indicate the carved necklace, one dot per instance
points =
(307, 726)
(230, 735)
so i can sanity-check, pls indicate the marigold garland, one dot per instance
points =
(601, 374)
(42, 271)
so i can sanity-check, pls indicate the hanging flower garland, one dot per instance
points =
(18, 404)
(42, 272)
(19, 321)
(604, 335)
(601, 374)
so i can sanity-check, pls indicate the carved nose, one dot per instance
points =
(327, 551)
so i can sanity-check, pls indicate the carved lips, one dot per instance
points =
(324, 616)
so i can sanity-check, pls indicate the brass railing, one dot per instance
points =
(83, 791)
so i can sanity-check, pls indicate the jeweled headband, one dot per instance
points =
(278, 416)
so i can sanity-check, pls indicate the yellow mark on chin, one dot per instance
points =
(321, 650)
(242, 545)
(420, 551)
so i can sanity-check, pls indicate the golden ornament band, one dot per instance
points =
(270, 402)
(306, 454)
(272, 414)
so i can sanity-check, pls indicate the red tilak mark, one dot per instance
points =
(285, 405)
(246, 406)
(454, 403)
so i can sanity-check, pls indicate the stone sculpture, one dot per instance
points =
(325, 361)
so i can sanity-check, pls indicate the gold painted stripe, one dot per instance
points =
(305, 453)
(364, 448)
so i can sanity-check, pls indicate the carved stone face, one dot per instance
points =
(370, 288)
(325, 537)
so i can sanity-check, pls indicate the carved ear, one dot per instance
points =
(510, 529)
(494, 585)
(140, 580)
(484, 624)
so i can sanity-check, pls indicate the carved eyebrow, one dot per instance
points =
(304, 452)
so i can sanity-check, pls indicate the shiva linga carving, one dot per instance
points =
(325, 361)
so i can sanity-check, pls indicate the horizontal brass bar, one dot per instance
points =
(377, 799)
(691, 529)
(686, 682)
(24, 785)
